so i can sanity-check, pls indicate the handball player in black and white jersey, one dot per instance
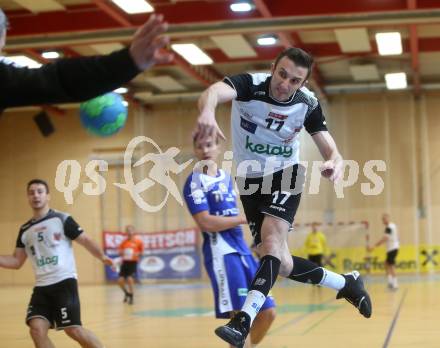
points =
(46, 239)
(391, 240)
(268, 112)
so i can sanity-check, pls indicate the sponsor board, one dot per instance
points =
(167, 254)
(410, 259)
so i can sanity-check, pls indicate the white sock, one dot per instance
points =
(394, 282)
(332, 280)
(390, 279)
(254, 300)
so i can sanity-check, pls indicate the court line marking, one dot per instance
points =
(318, 322)
(297, 319)
(393, 323)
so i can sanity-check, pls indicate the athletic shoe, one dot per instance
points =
(236, 330)
(130, 299)
(355, 293)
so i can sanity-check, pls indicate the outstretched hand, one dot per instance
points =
(107, 261)
(332, 169)
(207, 126)
(147, 47)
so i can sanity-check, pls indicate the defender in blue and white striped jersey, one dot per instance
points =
(211, 200)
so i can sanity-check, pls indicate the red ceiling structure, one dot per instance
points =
(306, 24)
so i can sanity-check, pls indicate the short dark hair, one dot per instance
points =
(37, 181)
(196, 137)
(4, 23)
(299, 57)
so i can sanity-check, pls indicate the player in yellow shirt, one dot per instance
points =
(316, 245)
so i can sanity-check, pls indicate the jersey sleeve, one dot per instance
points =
(71, 228)
(242, 84)
(315, 121)
(64, 80)
(141, 246)
(19, 242)
(195, 198)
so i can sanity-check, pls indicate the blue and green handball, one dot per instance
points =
(104, 115)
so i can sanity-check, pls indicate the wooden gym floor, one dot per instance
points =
(169, 316)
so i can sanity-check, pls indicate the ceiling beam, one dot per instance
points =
(414, 47)
(269, 53)
(93, 29)
(316, 77)
(35, 55)
(78, 24)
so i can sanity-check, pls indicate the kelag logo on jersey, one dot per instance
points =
(49, 260)
(248, 126)
(277, 116)
(285, 151)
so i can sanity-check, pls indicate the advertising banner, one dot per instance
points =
(167, 254)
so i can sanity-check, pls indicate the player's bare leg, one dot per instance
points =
(121, 283)
(261, 325)
(130, 283)
(84, 337)
(38, 329)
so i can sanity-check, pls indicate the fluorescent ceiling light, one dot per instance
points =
(267, 41)
(389, 43)
(241, 7)
(192, 54)
(50, 55)
(396, 80)
(134, 6)
(121, 90)
(24, 61)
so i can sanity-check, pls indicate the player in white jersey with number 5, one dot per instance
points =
(268, 112)
(391, 239)
(47, 240)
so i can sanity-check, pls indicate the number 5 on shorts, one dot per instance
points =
(64, 313)
(277, 194)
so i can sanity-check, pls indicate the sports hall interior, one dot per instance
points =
(397, 128)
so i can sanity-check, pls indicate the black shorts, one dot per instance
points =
(316, 259)
(277, 195)
(128, 269)
(57, 303)
(391, 257)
